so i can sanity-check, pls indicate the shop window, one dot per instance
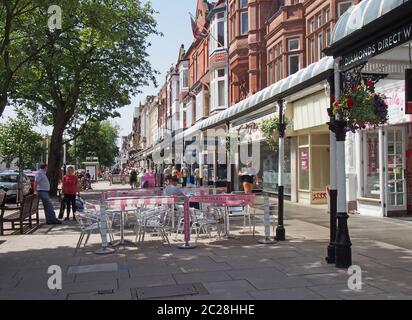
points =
(320, 171)
(395, 168)
(304, 168)
(372, 185)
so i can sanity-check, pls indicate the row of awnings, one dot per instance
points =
(281, 89)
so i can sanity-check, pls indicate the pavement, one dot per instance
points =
(217, 269)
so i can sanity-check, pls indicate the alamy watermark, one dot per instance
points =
(55, 280)
(55, 20)
(355, 279)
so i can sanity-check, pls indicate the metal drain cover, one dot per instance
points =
(170, 291)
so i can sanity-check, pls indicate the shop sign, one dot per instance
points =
(304, 160)
(379, 46)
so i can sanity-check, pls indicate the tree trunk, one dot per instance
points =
(3, 104)
(55, 156)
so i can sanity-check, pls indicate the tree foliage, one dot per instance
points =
(98, 139)
(21, 40)
(94, 65)
(19, 141)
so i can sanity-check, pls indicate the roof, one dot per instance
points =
(360, 15)
(263, 97)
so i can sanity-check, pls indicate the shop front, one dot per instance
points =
(252, 146)
(310, 140)
(377, 50)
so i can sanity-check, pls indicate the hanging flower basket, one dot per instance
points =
(270, 129)
(361, 107)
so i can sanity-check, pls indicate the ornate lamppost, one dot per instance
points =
(280, 229)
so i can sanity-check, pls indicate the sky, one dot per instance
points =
(174, 22)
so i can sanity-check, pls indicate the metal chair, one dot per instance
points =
(206, 220)
(89, 221)
(155, 220)
(240, 211)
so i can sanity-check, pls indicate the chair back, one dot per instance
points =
(85, 220)
(26, 205)
(35, 205)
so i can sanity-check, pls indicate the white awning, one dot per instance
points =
(275, 89)
(362, 14)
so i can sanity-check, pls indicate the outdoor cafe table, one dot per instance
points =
(226, 200)
(122, 202)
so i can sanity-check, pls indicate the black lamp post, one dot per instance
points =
(333, 193)
(343, 251)
(280, 229)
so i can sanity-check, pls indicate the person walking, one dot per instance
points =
(248, 174)
(197, 177)
(70, 187)
(110, 178)
(42, 188)
(133, 179)
(185, 173)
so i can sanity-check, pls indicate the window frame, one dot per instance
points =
(242, 19)
(340, 5)
(290, 56)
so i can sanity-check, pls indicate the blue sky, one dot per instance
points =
(174, 22)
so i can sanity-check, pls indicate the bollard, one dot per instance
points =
(266, 221)
(103, 232)
(186, 227)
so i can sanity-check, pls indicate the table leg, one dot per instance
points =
(123, 242)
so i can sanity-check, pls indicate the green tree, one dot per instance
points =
(21, 40)
(98, 139)
(19, 141)
(97, 62)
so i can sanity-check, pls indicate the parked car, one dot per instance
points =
(31, 175)
(9, 180)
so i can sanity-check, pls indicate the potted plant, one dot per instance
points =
(270, 129)
(361, 107)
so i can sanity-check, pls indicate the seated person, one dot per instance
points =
(172, 189)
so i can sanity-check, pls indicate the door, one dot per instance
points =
(395, 169)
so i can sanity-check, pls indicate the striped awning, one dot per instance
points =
(358, 16)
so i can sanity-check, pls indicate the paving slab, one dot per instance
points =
(201, 277)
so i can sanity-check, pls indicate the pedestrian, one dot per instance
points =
(248, 174)
(88, 178)
(70, 187)
(172, 189)
(197, 177)
(184, 173)
(110, 178)
(133, 179)
(42, 188)
(174, 172)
